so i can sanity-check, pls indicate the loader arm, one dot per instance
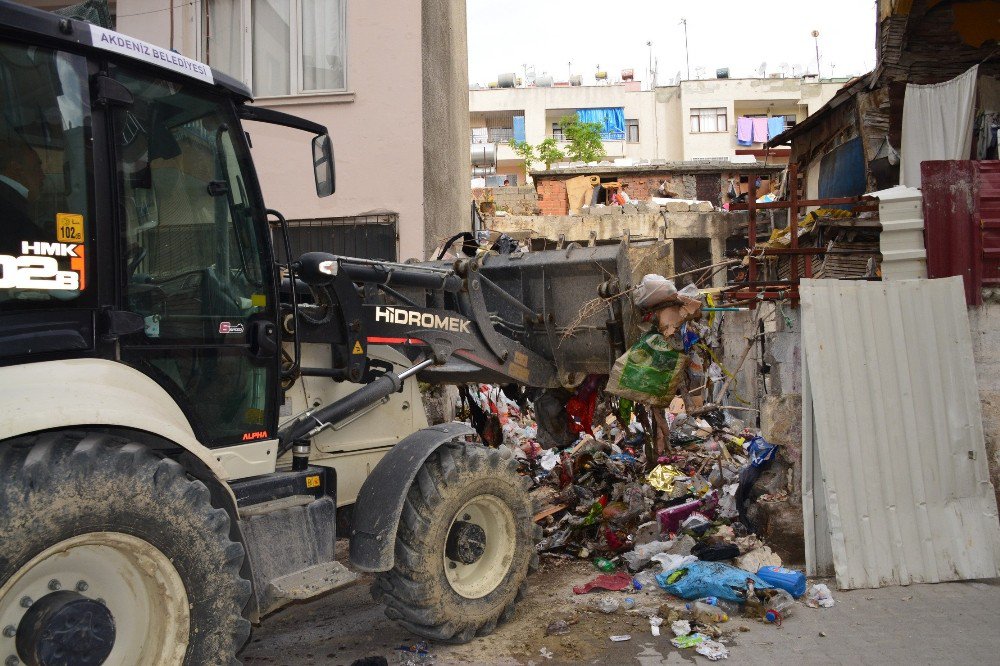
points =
(538, 319)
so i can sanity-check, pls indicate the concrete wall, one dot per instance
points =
(400, 133)
(446, 163)
(984, 323)
(780, 414)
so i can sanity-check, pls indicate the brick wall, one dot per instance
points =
(552, 199)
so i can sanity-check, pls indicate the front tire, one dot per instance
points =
(89, 520)
(464, 548)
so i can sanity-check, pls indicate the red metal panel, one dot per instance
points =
(988, 210)
(951, 235)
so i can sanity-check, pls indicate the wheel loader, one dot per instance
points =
(186, 415)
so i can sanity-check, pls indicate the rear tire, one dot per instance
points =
(110, 520)
(430, 590)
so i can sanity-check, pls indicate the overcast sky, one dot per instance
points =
(504, 35)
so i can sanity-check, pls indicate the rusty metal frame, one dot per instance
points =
(754, 289)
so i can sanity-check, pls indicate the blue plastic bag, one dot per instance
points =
(760, 451)
(709, 579)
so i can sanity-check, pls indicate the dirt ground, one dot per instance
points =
(943, 623)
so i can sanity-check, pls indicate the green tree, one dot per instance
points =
(584, 139)
(525, 151)
(549, 153)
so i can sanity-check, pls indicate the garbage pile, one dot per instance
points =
(654, 490)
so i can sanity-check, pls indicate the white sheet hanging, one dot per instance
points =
(937, 124)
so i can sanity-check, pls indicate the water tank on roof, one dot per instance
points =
(722, 73)
(506, 80)
(484, 155)
(576, 80)
(544, 81)
(601, 75)
(628, 75)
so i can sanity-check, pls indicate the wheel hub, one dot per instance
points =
(480, 546)
(466, 542)
(66, 628)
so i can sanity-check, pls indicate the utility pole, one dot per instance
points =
(815, 34)
(652, 80)
(687, 54)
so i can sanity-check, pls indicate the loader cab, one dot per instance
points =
(133, 225)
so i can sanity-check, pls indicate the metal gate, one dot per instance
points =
(371, 236)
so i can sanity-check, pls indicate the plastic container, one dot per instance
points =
(779, 607)
(789, 580)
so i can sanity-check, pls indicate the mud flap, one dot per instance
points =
(380, 502)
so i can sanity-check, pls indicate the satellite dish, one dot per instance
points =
(796, 71)
(762, 69)
(784, 68)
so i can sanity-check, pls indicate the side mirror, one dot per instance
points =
(323, 165)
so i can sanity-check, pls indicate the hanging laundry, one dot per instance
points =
(775, 126)
(759, 130)
(744, 131)
(987, 124)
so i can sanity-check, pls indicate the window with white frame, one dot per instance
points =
(278, 47)
(709, 120)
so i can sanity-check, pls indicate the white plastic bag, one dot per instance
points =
(644, 552)
(669, 561)
(654, 290)
(819, 595)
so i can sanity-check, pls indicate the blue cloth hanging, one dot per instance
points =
(611, 120)
(775, 126)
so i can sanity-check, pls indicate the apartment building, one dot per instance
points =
(396, 112)
(692, 120)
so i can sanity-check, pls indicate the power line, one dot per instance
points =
(157, 11)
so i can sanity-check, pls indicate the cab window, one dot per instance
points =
(45, 179)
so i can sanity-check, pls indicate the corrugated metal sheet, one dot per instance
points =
(962, 222)
(894, 461)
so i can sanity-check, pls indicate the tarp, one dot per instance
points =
(842, 171)
(895, 483)
(937, 124)
(611, 120)
(519, 128)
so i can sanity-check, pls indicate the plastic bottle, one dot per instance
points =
(730, 608)
(779, 607)
(607, 604)
(604, 564)
(706, 613)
